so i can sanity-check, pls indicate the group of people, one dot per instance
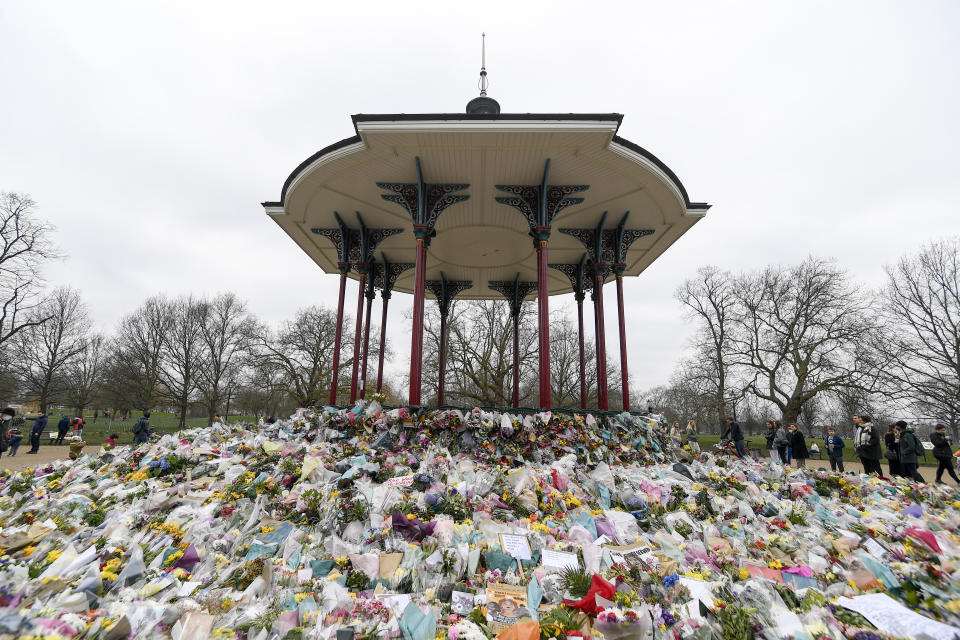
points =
(902, 449)
(785, 445)
(681, 437)
(11, 437)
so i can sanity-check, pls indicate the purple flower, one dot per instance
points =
(668, 619)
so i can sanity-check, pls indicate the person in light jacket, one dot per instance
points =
(781, 441)
(866, 442)
(834, 445)
(693, 438)
(770, 436)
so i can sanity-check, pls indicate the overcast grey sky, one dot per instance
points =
(150, 132)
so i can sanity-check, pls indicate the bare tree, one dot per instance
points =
(182, 354)
(302, 353)
(24, 247)
(565, 368)
(136, 361)
(46, 348)
(226, 334)
(802, 331)
(923, 340)
(85, 373)
(710, 300)
(480, 352)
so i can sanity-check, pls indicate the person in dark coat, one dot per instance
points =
(141, 430)
(866, 442)
(834, 446)
(891, 450)
(910, 449)
(736, 434)
(799, 446)
(62, 427)
(6, 420)
(39, 424)
(943, 452)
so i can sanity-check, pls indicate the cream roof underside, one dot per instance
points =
(481, 240)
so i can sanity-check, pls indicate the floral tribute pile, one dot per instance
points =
(368, 524)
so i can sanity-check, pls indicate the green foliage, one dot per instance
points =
(576, 582)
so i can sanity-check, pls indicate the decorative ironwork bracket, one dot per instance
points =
(385, 275)
(365, 244)
(540, 203)
(514, 291)
(616, 243)
(424, 202)
(579, 275)
(342, 238)
(446, 290)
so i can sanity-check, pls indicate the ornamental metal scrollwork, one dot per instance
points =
(386, 273)
(579, 275)
(424, 202)
(342, 238)
(446, 290)
(540, 203)
(515, 291)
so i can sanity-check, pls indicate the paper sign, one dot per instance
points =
(602, 540)
(764, 573)
(401, 481)
(515, 545)
(396, 602)
(889, 616)
(506, 605)
(187, 588)
(461, 602)
(559, 559)
(699, 590)
(635, 555)
(798, 582)
(874, 548)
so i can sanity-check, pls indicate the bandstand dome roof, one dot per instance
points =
(480, 239)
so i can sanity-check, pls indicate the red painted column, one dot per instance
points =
(583, 361)
(336, 344)
(356, 340)
(443, 358)
(366, 348)
(623, 346)
(543, 311)
(383, 341)
(516, 361)
(416, 345)
(601, 346)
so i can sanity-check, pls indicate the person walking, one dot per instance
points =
(141, 430)
(62, 427)
(39, 424)
(6, 419)
(943, 452)
(909, 451)
(14, 438)
(866, 442)
(693, 438)
(891, 450)
(736, 434)
(780, 441)
(834, 446)
(799, 445)
(770, 436)
(96, 414)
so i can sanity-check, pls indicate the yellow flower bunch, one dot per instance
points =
(775, 564)
(28, 550)
(267, 529)
(112, 564)
(170, 528)
(173, 557)
(53, 555)
(539, 527)
(744, 574)
(108, 575)
(137, 476)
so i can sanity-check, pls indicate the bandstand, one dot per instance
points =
(481, 205)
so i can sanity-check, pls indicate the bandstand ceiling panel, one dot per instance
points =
(479, 239)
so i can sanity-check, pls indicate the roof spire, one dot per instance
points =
(483, 64)
(483, 104)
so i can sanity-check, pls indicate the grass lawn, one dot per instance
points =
(707, 440)
(94, 433)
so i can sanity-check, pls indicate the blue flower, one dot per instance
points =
(670, 580)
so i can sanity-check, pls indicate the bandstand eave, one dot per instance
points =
(481, 240)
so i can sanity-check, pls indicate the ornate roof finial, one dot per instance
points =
(483, 64)
(483, 104)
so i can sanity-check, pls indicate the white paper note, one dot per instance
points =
(889, 616)
(515, 545)
(559, 559)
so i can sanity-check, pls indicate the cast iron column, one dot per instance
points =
(335, 373)
(543, 313)
(424, 202)
(516, 361)
(444, 291)
(416, 344)
(515, 291)
(356, 337)
(385, 298)
(601, 341)
(540, 204)
(625, 379)
(371, 294)
(583, 362)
